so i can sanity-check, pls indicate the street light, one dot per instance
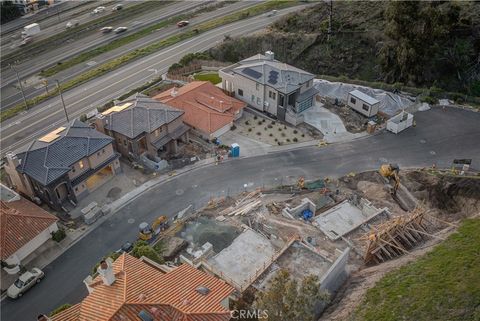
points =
(63, 102)
(21, 87)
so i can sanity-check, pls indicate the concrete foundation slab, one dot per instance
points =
(346, 217)
(248, 253)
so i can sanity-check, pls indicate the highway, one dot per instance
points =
(95, 39)
(12, 96)
(439, 136)
(22, 128)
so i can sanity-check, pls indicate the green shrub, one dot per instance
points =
(59, 235)
(295, 131)
(255, 117)
(284, 127)
(303, 135)
(279, 129)
(259, 133)
(233, 127)
(60, 309)
(83, 118)
(288, 140)
(276, 139)
(141, 248)
(295, 139)
(429, 99)
(283, 134)
(271, 135)
(247, 123)
(249, 129)
(273, 122)
(270, 126)
(259, 122)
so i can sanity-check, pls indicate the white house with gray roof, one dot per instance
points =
(270, 86)
(63, 166)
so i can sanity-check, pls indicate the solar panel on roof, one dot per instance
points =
(252, 73)
(273, 77)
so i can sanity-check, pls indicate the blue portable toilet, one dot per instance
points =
(235, 150)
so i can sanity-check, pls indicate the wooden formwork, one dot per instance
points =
(396, 236)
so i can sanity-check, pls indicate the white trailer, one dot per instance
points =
(31, 30)
(400, 122)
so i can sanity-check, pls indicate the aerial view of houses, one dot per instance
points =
(239, 160)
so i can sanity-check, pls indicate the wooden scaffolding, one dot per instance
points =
(396, 236)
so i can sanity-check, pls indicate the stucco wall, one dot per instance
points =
(36, 242)
(100, 156)
(249, 88)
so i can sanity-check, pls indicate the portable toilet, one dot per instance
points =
(235, 150)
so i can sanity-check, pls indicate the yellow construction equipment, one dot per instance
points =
(390, 172)
(147, 232)
(301, 183)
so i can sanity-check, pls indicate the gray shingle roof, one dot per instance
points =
(273, 73)
(46, 162)
(144, 116)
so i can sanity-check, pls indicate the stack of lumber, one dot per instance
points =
(244, 205)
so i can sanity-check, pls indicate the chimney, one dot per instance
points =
(100, 123)
(12, 159)
(174, 92)
(269, 55)
(105, 270)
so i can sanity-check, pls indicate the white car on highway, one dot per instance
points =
(25, 282)
(120, 29)
(99, 10)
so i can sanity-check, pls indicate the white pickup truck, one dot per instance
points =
(31, 30)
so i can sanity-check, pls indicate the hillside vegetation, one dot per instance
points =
(423, 44)
(443, 285)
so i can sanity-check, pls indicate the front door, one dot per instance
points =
(61, 192)
(281, 113)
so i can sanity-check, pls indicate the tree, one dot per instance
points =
(60, 309)
(9, 11)
(416, 31)
(286, 300)
(142, 248)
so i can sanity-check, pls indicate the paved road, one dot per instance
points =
(21, 129)
(440, 136)
(11, 95)
(48, 16)
(92, 40)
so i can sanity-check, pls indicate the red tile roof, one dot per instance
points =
(20, 222)
(206, 106)
(166, 296)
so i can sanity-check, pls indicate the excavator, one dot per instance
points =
(390, 172)
(149, 233)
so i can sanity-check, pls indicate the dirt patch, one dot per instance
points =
(114, 193)
(354, 122)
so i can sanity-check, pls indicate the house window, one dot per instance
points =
(365, 107)
(281, 100)
(240, 92)
(80, 164)
(124, 142)
(307, 84)
(274, 95)
(253, 98)
(259, 101)
(269, 94)
(353, 100)
(98, 153)
(103, 151)
(73, 170)
(257, 85)
(76, 189)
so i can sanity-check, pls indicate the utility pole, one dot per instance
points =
(330, 21)
(21, 87)
(63, 102)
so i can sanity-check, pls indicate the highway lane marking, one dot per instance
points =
(261, 24)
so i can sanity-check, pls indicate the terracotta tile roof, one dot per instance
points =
(21, 221)
(206, 106)
(166, 296)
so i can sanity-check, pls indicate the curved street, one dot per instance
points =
(439, 136)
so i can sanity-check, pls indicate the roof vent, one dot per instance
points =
(269, 55)
(174, 92)
(142, 297)
(203, 290)
(105, 270)
(185, 302)
(145, 316)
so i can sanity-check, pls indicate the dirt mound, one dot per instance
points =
(453, 197)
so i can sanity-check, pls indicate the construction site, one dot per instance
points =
(331, 228)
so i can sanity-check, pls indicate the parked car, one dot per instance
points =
(72, 23)
(99, 10)
(182, 23)
(106, 29)
(126, 247)
(120, 29)
(25, 282)
(117, 7)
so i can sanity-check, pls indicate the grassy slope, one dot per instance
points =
(443, 285)
(214, 78)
